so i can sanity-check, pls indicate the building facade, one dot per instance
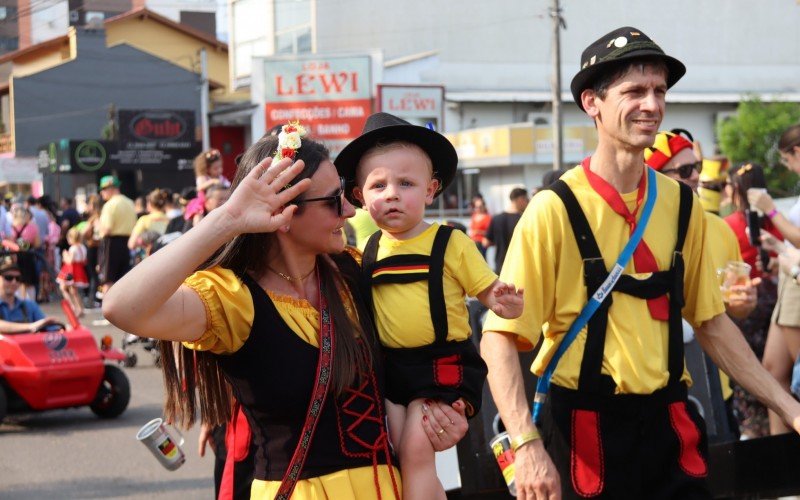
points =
(494, 60)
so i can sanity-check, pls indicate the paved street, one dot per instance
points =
(73, 454)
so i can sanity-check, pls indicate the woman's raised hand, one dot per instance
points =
(258, 205)
(760, 200)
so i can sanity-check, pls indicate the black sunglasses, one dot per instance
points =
(685, 170)
(12, 277)
(334, 200)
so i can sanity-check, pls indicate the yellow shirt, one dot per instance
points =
(229, 314)
(154, 221)
(723, 246)
(118, 216)
(543, 258)
(363, 226)
(402, 311)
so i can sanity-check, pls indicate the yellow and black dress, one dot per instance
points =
(268, 347)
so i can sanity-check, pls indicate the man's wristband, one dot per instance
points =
(523, 439)
(772, 213)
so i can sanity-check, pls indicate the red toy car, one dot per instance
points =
(61, 369)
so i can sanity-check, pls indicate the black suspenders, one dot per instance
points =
(411, 268)
(595, 272)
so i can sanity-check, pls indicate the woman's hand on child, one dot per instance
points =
(508, 300)
(258, 204)
(446, 424)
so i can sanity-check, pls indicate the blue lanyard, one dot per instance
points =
(543, 385)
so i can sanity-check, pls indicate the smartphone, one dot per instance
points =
(754, 227)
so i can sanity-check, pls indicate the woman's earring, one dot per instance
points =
(285, 228)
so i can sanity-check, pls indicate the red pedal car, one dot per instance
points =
(61, 369)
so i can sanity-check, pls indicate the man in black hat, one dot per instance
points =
(615, 422)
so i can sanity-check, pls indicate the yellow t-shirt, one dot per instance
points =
(229, 314)
(154, 221)
(402, 311)
(118, 216)
(363, 226)
(723, 246)
(543, 258)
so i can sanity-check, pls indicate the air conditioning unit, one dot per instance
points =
(539, 118)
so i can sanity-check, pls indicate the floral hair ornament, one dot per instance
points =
(289, 140)
(744, 169)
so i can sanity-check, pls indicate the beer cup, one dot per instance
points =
(733, 274)
(156, 437)
(501, 447)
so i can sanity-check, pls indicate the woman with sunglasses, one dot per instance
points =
(783, 339)
(276, 310)
(208, 170)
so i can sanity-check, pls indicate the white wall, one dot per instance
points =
(49, 20)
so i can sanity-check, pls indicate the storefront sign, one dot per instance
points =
(156, 129)
(156, 138)
(68, 155)
(419, 104)
(330, 95)
(90, 155)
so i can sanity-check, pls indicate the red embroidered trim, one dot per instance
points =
(690, 459)
(326, 343)
(381, 443)
(587, 463)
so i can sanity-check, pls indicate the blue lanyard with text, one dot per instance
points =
(543, 385)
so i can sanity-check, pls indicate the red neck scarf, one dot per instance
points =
(643, 259)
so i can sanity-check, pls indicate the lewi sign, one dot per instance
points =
(418, 104)
(330, 95)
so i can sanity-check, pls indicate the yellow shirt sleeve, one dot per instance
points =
(229, 310)
(700, 285)
(467, 265)
(141, 225)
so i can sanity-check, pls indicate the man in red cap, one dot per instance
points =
(673, 154)
(615, 422)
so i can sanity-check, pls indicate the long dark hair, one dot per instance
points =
(744, 177)
(246, 254)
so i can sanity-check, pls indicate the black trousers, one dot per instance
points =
(626, 446)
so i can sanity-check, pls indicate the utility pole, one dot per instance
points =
(558, 140)
(204, 98)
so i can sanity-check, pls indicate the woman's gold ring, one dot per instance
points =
(440, 431)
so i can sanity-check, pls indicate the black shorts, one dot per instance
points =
(626, 446)
(442, 372)
(116, 258)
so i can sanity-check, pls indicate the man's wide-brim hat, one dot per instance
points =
(383, 128)
(620, 45)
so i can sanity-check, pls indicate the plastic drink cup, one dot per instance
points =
(501, 447)
(733, 274)
(156, 437)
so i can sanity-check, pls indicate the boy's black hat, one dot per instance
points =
(619, 45)
(383, 128)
